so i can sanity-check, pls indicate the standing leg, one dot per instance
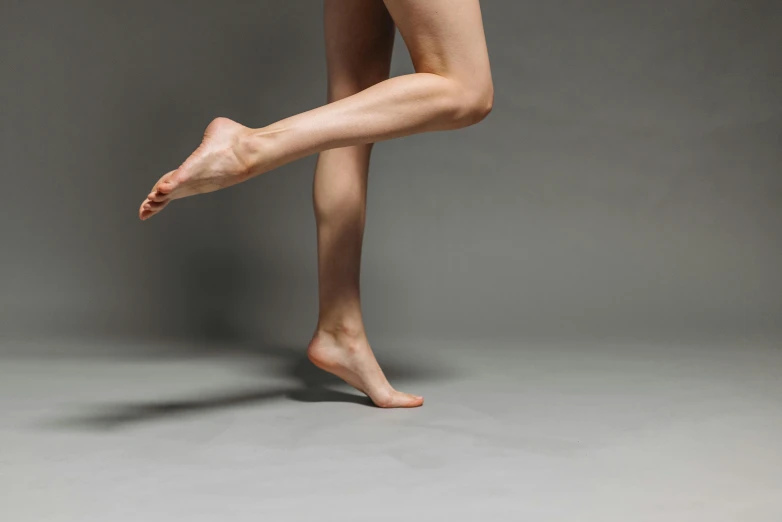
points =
(359, 40)
(451, 88)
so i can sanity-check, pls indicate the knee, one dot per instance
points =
(473, 102)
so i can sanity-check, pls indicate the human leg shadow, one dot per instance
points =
(311, 385)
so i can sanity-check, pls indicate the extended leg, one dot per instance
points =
(451, 88)
(359, 40)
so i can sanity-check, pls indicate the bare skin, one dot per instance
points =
(450, 89)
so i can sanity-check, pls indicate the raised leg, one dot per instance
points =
(359, 40)
(451, 88)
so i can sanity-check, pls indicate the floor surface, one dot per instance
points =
(510, 430)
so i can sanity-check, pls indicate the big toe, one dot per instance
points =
(401, 400)
(163, 188)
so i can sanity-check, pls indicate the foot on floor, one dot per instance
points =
(349, 357)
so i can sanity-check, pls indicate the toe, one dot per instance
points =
(414, 401)
(146, 214)
(164, 187)
(150, 208)
(157, 196)
(400, 400)
(155, 205)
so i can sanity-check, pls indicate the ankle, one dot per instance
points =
(244, 149)
(257, 149)
(347, 329)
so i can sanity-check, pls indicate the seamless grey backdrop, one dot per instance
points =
(627, 182)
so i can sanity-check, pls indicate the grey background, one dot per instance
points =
(627, 182)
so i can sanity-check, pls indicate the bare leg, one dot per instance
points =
(359, 40)
(451, 88)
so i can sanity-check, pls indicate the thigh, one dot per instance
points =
(444, 37)
(359, 42)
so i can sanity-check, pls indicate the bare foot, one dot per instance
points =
(215, 164)
(350, 358)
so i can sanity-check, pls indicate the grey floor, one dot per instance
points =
(525, 430)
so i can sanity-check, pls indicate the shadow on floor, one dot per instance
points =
(313, 385)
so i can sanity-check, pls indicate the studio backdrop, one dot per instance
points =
(627, 183)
